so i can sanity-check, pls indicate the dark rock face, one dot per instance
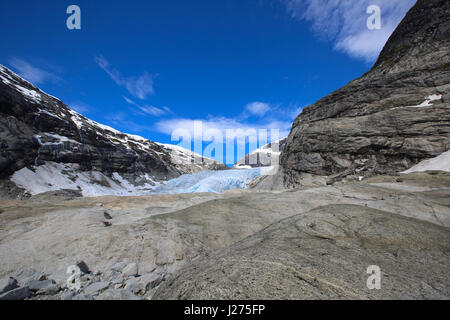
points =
(36, 128)
(391, 118)
(31, 127)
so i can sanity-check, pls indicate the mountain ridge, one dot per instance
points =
(37, 129)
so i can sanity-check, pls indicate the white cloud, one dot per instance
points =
(148, 109)
(30, 72)
(140, 87)
(222, 124)
(275, 117)
(258, 109)
(344, 23)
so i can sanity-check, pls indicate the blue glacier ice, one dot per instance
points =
(210, 181)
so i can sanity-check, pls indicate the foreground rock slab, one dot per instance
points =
(162, 234)
(324, 254)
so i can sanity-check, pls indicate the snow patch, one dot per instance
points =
(56, 176)
(49, 114)
(440, 163)
(30, 94)
(427, 102)
(6, 81)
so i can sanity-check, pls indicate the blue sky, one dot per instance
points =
(150, 67)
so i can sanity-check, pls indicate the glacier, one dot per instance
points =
(211, 181)
(58, 176)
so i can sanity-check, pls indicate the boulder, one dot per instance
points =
(131, 270)
(8, 284)
(83, 266)
(29, 275)
(119, 266)
(150, 281)
(47, 287)
(96, 287)
(16, 294)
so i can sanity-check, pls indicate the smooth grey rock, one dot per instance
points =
(119, 266)
(131, 270)
(323, 254)
(16, 294)
(150, 281)
(47, 287)
(28, 275)
(8, 284)
(112, 276)
(118, 280)
(133, 285)
(197, 225)
(96, 287)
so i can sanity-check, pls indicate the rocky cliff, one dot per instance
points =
(46, 146)
(393, 117)
(265, 156)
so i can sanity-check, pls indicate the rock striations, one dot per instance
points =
(391, 118)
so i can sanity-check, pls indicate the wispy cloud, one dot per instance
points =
(31, 73)
(149, 110)
(258, 109)
(344, 23)
(140, 87)
(222, 124)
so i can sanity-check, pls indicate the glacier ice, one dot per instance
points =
(210, 181)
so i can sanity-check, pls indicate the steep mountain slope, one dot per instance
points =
(391, 118)
(47, 146)
(263, 157)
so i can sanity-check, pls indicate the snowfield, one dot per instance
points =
(57, 176)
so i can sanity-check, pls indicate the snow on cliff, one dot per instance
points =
(440, 163)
